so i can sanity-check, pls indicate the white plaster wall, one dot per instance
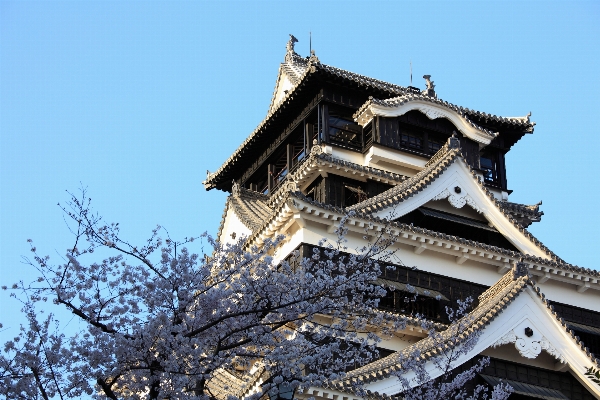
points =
(445, 265)
(292, 240)
(346, 155)
(394, 159)
(284, 84)
(566, 293)
(232, 224)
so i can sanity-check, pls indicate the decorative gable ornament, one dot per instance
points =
(529, 342)
(457, 198)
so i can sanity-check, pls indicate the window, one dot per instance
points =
(433, 145)
(489, 165)
(345, 132)
(411, 140)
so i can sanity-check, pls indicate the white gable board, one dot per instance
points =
(232, 224)
(458, 186)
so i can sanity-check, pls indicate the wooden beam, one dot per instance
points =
(582, 288)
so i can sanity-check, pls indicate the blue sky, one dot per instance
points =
(136, 100)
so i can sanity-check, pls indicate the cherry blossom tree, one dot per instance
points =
(161, 322)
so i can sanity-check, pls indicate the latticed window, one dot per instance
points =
(434, 145)
(411, 140)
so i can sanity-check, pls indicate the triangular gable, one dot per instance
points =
(290, 74)
(512, 312)
(448, 176)
(284, 85)
(232, 226)
(245, 212)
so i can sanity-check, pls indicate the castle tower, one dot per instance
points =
(335, 143)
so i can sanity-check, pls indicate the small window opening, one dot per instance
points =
(489, 165)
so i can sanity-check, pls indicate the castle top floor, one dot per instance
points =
(363, 120)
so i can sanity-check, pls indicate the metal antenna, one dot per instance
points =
(410, 72)
(309, 43)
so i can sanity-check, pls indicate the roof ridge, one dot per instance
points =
(413, 185)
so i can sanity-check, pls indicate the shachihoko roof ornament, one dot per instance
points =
(430, 89)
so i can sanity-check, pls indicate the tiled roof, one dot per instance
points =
(252, 209)
(365, 114)
(390, 176)
(223, 383)
(491, 303)
(525, 214)
(445, 157)
(521, 122)
(556, 263)
(317, 158)
(408, 228)
(410, 187)
(298, 68)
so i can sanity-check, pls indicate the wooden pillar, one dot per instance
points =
(325, 123)
(270, 178)
(502, 171)
(290, 156)
(319, 123)
(308, 137)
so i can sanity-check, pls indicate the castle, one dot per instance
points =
(335, 144)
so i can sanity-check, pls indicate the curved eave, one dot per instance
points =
(259, 138)
(433, 111)
(295, 205)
